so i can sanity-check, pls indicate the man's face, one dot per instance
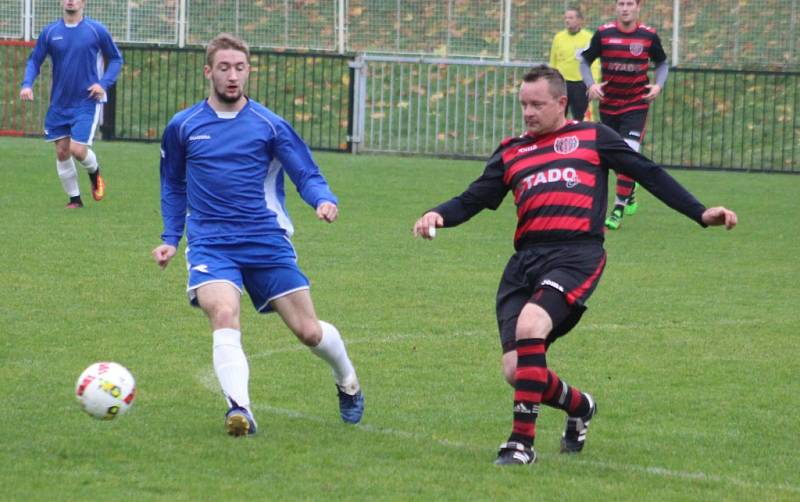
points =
(572, 22)
(542, 112)
(627, 11)
(72, 6)
(228, 75)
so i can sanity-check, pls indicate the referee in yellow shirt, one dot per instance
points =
(567, 46)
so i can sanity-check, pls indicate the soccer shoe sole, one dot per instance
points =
(237, 425)
(516, 458)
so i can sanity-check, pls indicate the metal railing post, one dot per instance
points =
(182, 24)
(676, 32)
(358, 102)
(340, 26)
(507, 31)
(27, 20)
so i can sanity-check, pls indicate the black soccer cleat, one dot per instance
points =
(514, 453)
(575, 430)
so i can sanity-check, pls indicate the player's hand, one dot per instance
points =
(96, 92)
(426, 226)
(653, 90)
(26, 94)
(719, 215)
(596, 91)
(327, 211)
(163, 254)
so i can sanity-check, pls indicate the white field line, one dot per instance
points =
(208, 380)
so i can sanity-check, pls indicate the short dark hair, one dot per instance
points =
(576, 10)
(558, 87)
(225, 41)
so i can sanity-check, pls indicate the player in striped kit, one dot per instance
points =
(625, 48)
(222, 178)
(76, 45)
(558, 173)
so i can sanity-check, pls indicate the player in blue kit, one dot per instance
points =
(222, 170)
(76, 45)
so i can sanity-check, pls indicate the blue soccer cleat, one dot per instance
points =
(351, 407)
(239, 422)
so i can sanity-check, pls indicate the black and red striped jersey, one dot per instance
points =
(625, 59)
(559, 182)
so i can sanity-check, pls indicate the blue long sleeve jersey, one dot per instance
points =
(224, 177)
(76, 54)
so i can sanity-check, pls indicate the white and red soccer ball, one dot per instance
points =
(105, 390)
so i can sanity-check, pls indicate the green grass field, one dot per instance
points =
(689, 347)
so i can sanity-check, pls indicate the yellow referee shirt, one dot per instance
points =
(565, 51)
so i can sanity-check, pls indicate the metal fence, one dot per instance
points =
(732, 34)
(311, 91)
(21, 117)
(709, 119)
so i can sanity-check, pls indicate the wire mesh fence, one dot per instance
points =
(721, 34)
(307, 25)
(709, 119)
(312, 92)
(141, 21)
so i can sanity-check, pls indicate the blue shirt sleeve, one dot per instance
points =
(294, 155)
(35, 60)
(173, 185)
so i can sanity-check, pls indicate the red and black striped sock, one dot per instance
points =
(530, 383)
(559, 394)
(625, 186)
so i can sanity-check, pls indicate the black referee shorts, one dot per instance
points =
(567, 276)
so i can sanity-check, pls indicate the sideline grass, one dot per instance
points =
(688, 346)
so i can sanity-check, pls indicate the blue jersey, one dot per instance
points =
(223, 177)
(76, 54)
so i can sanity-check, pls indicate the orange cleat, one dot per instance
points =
(98, 187)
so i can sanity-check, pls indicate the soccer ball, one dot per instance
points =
(105, 390)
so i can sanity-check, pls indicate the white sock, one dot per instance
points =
(69, 176)
(230, 365)
(90, 162)
(331, 349)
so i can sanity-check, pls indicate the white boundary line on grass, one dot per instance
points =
(208, 380)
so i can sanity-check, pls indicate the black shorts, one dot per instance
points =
(629, 125)
(572, 270)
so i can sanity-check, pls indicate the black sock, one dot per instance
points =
(93, 176)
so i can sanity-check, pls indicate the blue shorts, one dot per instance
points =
(78, 123)
(266, 268)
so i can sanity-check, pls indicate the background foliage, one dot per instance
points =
(722, 34)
